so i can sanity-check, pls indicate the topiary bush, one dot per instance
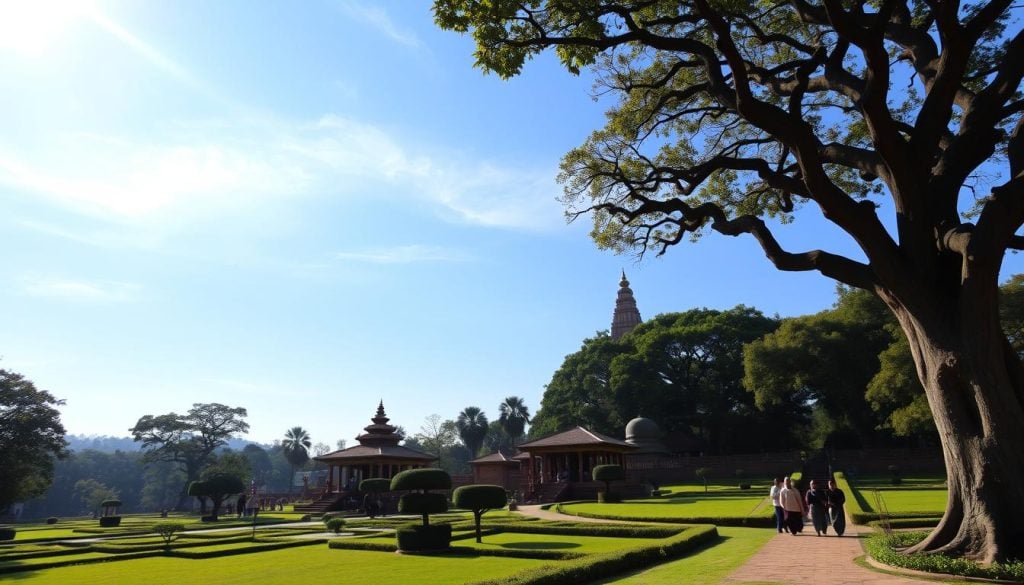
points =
(328, 515)
(7, 532)
(416, 537)
(608, 498)
(335, 525)
(110, 521)
(479, 499)
(423, 503)
(52, 520)
(375, 485)
(608, 474)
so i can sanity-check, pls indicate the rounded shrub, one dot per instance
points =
(168, 530)
(608, 474)
(423, 504)
(110, 521)
(416, 537)
(328, 515)
(608, 498)
(335, 525)
(7, 532)
(376, 485)
(52, 520)
(422, 479)
(479, 499)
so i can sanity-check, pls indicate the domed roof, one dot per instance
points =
(645, 434)
(641, 428)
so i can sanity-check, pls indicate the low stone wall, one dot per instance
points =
(762, 466)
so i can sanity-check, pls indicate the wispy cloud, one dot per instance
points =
(80, 290)
(378, 18)
(405, 255)
(227, 166)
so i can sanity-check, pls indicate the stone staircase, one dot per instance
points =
(317, 507)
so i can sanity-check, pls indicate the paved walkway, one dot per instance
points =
(810, 559)
(794, 560)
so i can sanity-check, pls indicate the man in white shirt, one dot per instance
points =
(780, 517)
(792, 507)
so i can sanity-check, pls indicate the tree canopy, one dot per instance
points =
(189, 440)
(472, 426)
(745, 116)
(31, 438)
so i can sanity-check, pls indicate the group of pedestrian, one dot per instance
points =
(825, 506)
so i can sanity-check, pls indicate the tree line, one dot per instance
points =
(737, 381)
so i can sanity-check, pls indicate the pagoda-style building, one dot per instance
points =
(626, 316)
(378, 454)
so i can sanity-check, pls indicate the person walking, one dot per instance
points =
(792, 507)
(837, 507)
(817, 503)
(780, 516)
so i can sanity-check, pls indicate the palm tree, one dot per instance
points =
(472, 426)
(295, 447)
(514, 416)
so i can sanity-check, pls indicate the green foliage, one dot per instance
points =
(424, 538)
(217, 487)
(421, 479)
(472, 426)
(169, 530)
(8, 532)
(335, 524)
(885, 548)
(600, 566)
(479, 498)
(52, 520)
(424, 504)
(375, 485)
(31, 438)
(189, 440)
(513, 415)
(608, 473)
(110, 503)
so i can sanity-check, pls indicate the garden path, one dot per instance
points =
(809, 559)
(795, 560)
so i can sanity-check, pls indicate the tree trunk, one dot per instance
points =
(976, 397)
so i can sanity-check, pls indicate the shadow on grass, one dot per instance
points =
(533, 545)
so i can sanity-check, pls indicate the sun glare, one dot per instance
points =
(30, 27)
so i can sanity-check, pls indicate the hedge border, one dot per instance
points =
(748, 522)
(597, 566)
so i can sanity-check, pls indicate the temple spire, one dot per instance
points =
(626, 316)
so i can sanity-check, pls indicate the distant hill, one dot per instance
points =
(108, 444)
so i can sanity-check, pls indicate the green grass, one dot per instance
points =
(709, 564)
(298, 565)
(900, 501)
(682, 505)
(556, 542)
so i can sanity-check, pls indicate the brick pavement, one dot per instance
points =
(807, 558)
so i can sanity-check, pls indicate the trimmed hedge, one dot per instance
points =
(52, 520)
(423, 504)
(8, 532)
(422, 479)
(335, 524)
(883, 548)
(356, 544)
(110, 521)
(225, 552)
(599, 566)
(600, 530)
(424, 538)
(375, 485)
(899, 523)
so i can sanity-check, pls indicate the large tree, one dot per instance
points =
(734, 115)
(580, 391)
(31, 438)
(189, 440)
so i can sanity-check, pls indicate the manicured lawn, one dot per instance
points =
(719, 504)
(913, 495)
(311, 564)
(555, 542)
(707, 565)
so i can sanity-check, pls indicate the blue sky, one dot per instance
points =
(304, 211)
